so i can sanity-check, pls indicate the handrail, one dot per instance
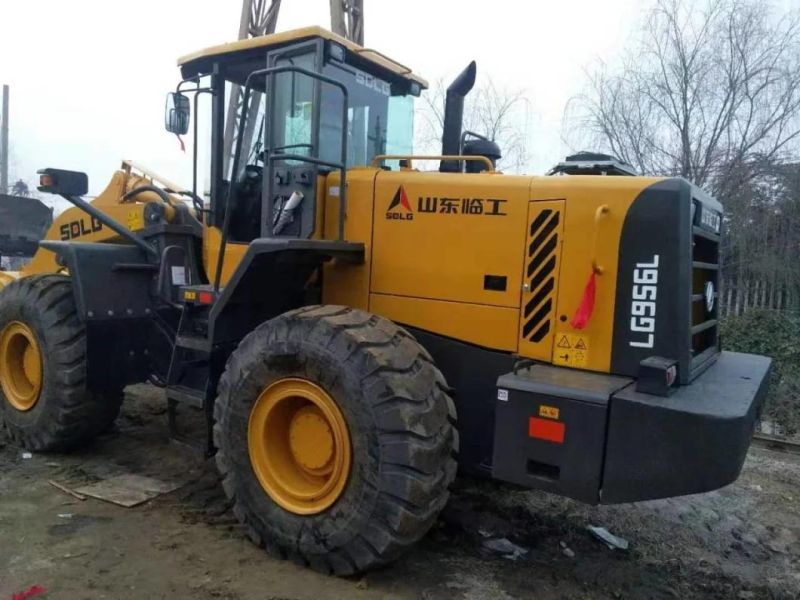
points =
(309, 159)
(601, 211)
(381, 157)
(128, 166)
(196, 200)
(271, 72)
(341, 166)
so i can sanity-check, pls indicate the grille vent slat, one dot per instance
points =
(704, 325)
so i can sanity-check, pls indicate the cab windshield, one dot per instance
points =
(378, 122)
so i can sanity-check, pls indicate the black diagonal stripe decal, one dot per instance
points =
(537, 312)
(539, 334)
(537, 318)
(539, 221)
(542, 255)
(542, 236)
(543, 273)
(539, 297)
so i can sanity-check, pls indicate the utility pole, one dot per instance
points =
(347, 19)
(4, 144)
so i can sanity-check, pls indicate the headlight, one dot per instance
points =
(336, 51)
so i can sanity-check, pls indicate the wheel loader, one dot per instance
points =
(357, 329)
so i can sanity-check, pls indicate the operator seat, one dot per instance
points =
(245, 220)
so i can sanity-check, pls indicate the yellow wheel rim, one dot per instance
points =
(20, 366)
(299, 446)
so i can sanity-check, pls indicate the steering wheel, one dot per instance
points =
(249, 182)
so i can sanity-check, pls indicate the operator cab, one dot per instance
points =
(314, 102)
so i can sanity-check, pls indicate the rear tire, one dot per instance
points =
(400, 421)
(66, 414)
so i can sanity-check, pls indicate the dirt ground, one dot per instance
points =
(742, 542)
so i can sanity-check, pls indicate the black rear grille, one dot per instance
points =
(704, 325)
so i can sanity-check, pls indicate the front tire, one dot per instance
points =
(44, 402)
(392, 455)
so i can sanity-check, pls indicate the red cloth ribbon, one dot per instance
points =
(585, 308)
(183, 146)
(32, 591)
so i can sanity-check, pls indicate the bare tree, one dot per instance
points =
(710, 86)
(20, 188)
(710, 91)
(499, 114)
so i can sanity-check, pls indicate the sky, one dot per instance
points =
(88, 78)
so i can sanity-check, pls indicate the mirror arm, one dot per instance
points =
(180, 89)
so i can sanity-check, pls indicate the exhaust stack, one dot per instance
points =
(454, 116)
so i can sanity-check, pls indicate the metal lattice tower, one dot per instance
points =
(347, 19)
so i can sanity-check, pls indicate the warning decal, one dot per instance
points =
(572, 350)
(551, 412)
(135, 220)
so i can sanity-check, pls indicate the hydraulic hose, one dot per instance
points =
(149, 188)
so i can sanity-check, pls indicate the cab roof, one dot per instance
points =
(197, 62)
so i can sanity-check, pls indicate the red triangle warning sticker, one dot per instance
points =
(563, 342)
(580, 345)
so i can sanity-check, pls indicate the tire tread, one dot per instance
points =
(74, 414)
(414, 414)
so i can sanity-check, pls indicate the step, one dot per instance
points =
(192, 342)
(185, 395)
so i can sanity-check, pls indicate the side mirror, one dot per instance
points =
(63, 183)
(176, 113)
